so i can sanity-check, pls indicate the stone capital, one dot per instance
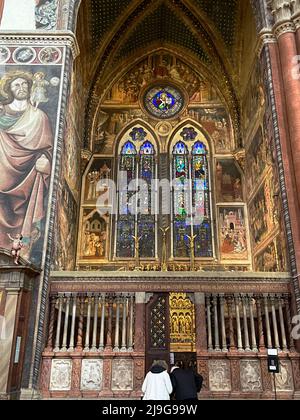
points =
(295, 8)
(281, 10)
(266, 36)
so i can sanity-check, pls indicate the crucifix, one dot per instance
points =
(137, 251)
(164, 266)
(192, 249)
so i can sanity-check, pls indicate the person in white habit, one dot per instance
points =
(157, 384)
(18, 14)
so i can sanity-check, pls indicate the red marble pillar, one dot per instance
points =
(288, 52)
(289, 126)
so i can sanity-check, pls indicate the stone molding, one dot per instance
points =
(59, 38)
(208, 285)
(284, 28)
(297, 21)
(265, 37)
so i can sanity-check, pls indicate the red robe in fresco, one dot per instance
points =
(22, 188)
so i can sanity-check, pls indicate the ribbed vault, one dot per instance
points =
(120, 32)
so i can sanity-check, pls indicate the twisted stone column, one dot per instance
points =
(80, 324)
(53, 300)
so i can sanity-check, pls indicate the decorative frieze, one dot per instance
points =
(61, 372)
(122, 375)
(59, 39)
(92, 375)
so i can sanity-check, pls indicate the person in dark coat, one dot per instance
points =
(186, 383)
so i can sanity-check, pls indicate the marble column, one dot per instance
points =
(268, 327)
(282, 326)
(209, 327)
(117, 327)
(252, 326)
(72, 334)
(58, 326)
(124, 324)
(216, 323)
(130, 335)
(231, 328)
(285, 32)
(261, 335)
(108, 346)
(95, 324)
(88, 325)
(245, 317)
(275, 328)
(238, 323)
(222, 315)
(102, 326)
(66, 324)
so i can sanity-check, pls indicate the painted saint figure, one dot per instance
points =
(39, 91)
(16, 248)
(25, 159)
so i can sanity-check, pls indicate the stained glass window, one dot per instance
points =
(191, 198)
(135, 215)
(181, 205)
(126, 219)
(163, 102)
(201, 202)
(146, 218)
